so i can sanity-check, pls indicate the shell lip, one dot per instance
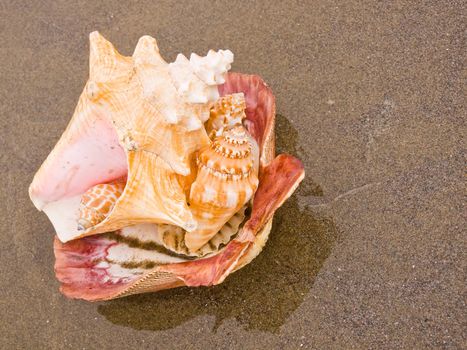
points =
(188, 225)
(36, 200)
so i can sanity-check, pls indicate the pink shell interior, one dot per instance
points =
(93, 156)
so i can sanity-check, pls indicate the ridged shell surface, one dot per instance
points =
(227, 112)
(173, 237)
(227, 178)
(131, 119)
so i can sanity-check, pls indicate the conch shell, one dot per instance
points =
(130, 110)
(227, 178)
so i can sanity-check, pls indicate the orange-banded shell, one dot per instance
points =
(130, 120)
(227, 178)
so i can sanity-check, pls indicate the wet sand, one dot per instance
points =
(369, 252)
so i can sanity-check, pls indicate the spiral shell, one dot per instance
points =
(148, 185)
(226, 180)
(131, 260)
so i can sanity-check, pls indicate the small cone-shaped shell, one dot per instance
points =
(98, 202)
(226, 180)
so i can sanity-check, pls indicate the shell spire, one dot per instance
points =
(226, 180)
(105, 62)
(197, 79)
(227, 112)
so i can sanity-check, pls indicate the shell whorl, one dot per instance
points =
(229, 155)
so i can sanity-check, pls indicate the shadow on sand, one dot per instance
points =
(263, 294)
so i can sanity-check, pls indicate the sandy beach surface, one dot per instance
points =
(370, 251)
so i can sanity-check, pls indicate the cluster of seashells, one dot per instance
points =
(153, 152)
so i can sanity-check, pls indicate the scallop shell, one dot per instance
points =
(227, 178)
(130, 110)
